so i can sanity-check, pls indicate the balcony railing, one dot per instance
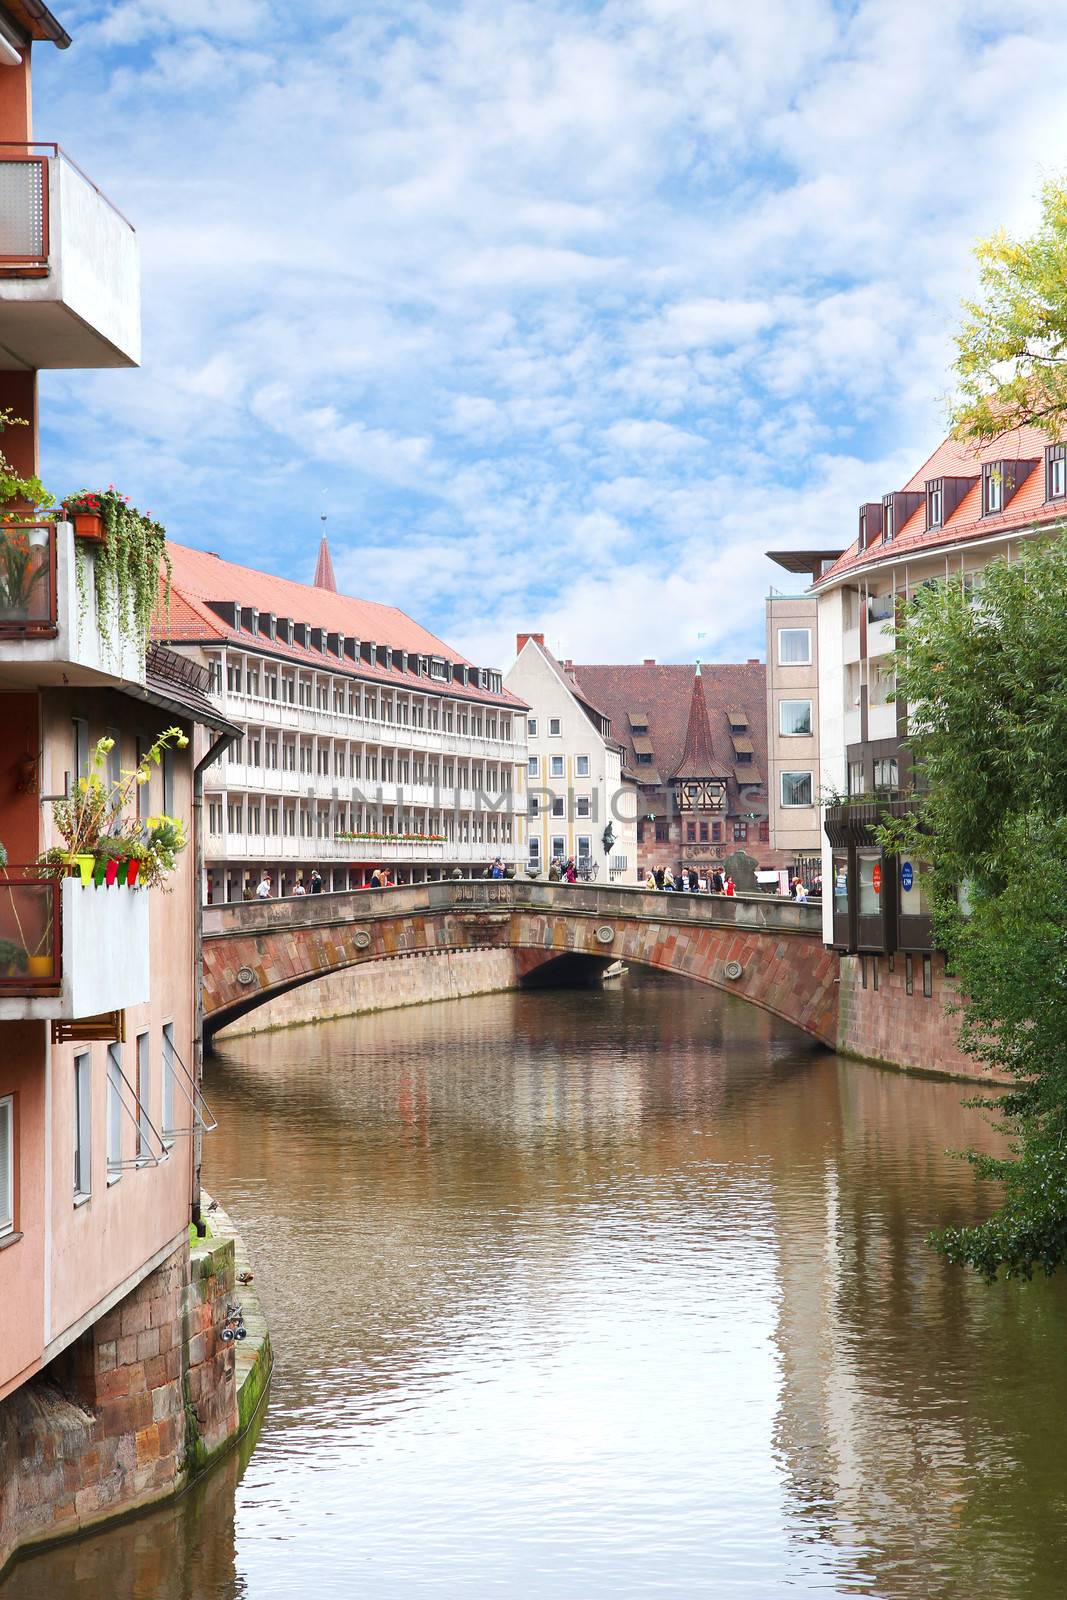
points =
(24, 206)
(29, 932)
(28, 580)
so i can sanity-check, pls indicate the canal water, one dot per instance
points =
(606, 1294)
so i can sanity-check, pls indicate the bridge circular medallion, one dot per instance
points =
(361, 938)
(245, 975)
(605, 934)
(733, 969)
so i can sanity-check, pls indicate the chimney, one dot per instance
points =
(649, 661)
(754, 661)
(568, 666)
(522, 638)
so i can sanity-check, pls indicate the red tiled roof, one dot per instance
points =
(199, 577)
(954, 458)
(665, 692)
(698, 758)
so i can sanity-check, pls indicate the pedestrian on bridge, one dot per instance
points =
(263, 887)
(316, 881)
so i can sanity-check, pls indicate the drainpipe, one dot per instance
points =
(223, 742)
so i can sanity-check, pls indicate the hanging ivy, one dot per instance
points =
(128, 565)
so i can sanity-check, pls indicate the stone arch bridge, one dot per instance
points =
(766, 951)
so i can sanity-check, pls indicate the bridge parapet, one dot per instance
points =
(753, 912)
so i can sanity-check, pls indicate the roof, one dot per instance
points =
(198, 578)
(35, 21)
(178, 685)
(564, 670)
(324, 578)
(965, 524)
(668, 693)
(698, 758)
(809, 561)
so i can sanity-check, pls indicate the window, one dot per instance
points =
(533, 766)
(663, 831)
(855, 778)
(716, 833)
(796, 788)
(909, 975)
(531, 727)
(992, 487)
(928, 978)
(581, 766)
(691, 832)
(234, 817)
(535, 851)
(869, 866)
(81, 747)
(740, 832)
(7, 1164)
(644, 758)
(167, 765)
(886, 774)
(214, 816)
(555, 727)
(555, 766)
(794, 717)
(585, 847)
(144, 1097)
(83, 1126)
(535, 806)
(1056, 472)
(114, 1113)
(167, 1082)
(703, 833)
(559, 846)
(840, 881)
(935, 500)
(887, 530)
(794, 647)
(557, 806)
(882, 606)
(582, 806)
(233, 676)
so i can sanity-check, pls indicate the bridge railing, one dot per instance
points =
(764, 912)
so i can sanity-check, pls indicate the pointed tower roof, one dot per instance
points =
(324, 578)
(698, 758)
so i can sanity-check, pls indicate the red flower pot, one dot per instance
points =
(132, 869)
(89, 525)
(112, 872)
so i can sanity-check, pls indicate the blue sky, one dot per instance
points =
(563, 313)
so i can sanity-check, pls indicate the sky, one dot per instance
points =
(561, 313)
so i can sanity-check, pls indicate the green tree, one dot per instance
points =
(1011, 366)
(985, 677)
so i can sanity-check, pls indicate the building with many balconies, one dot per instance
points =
(367, 741)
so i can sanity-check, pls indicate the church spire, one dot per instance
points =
(698, 759)
(324, 578)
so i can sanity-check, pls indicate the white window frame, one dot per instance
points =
(561, 853)
(555, 767)
(144, 1095)
(796, 805)
(7, 1178)
(533, 766)
(555, 727)
(580, 770)
(803, 662)
(535, 848)
(531, 727)
(584, 842)
(788, 733)
(83, 1126)
(558, 806)
(583, 806)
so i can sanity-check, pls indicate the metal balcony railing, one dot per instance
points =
(29, 932)
(28, 579)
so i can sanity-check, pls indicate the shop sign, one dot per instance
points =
(907, 876)
(876, 878)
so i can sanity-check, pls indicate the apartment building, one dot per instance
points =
(99, 1102)
(582, 804)
(366, 742)
(794, 816)
(963, 508)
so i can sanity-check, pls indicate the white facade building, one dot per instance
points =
(367, 742)
(575, 784)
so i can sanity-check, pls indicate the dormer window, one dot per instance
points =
(897, 508)
(935, 504)
(888, 528)
(1056, 472)
(870, 523)
(992, 488)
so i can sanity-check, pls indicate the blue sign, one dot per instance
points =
(907, 877)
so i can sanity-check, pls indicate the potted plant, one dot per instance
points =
(131, 553)
(13, 486)
(13, 958)
(21, 571)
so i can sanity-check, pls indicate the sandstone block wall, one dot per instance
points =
(889, 1025)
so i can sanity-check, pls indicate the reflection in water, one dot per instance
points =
(608, 1294)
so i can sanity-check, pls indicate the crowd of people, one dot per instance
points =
(690, 881)
(561, 870)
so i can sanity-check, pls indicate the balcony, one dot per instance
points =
(70, 277)
(46, 637)
(68, 951)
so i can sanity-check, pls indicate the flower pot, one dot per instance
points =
(85, 865)
(111, 872)
(39, 967)
(132, 869)
(89, 525)
(99, 871)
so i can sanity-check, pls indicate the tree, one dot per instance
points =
(1011, 366)
(985, 676)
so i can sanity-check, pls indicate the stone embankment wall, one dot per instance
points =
(403, 980)
(897, 1029)
(138, 1406)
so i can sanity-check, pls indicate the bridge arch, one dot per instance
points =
(766, 951)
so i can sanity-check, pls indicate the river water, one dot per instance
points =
(606, 1294)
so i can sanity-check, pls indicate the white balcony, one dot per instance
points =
(880, 639)
(882, 722)
(62, 642)
(73, 296)
(102, 963)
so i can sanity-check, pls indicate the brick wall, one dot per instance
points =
(131, 1410)
(904, 1030)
